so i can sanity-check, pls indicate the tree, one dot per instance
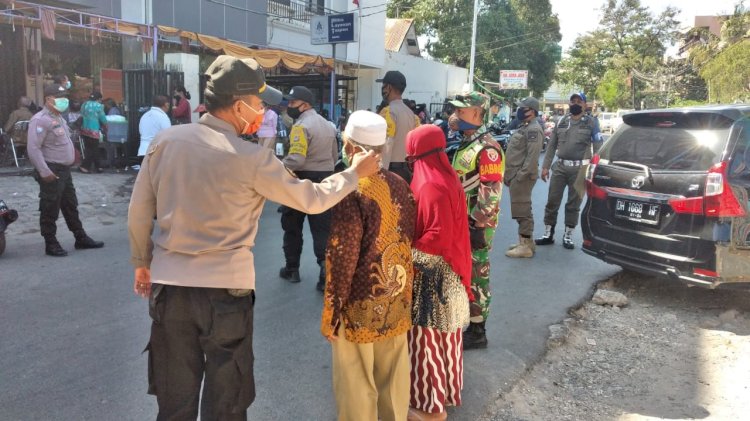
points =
(613, 90)
(511, 34)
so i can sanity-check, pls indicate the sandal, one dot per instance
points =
(84, 170)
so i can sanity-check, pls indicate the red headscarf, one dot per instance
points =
(442, 226)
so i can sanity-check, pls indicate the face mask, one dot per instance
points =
(410, 160)
(293, 112)
(61, 104)
(576, 109)
(68, 85)
(345, 156)
(465, 125)
(253, 127)
(521, 114)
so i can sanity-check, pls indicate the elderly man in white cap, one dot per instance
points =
(367, 301)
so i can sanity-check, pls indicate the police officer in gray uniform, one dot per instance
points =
(313, 150)
(521, 172)
(574, 140)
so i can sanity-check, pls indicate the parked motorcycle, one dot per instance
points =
(7, 216)
(500, 133)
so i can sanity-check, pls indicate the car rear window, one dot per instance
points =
(670, 142)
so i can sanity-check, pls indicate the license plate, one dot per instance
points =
(645, 213)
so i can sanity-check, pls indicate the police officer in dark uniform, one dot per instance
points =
(574, 140)
(313, 151)
(51, 151)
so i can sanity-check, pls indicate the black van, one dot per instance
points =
(668, 195)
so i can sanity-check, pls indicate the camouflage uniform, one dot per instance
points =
(480, 164)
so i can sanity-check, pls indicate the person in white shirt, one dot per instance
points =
(152, 122)
(267, 132)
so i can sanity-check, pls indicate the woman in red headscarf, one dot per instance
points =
(442, 264)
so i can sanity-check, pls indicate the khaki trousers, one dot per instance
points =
(371, 381)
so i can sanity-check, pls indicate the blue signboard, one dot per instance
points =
(341, 28)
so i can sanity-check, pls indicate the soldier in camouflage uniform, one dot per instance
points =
(480, 163)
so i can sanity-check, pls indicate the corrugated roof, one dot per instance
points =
(395, 33)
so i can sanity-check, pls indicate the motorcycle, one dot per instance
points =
(501, 134)
(7, 216)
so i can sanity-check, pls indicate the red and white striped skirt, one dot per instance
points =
(437, 370)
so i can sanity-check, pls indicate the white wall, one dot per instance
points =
(295, 36)
(427, 81)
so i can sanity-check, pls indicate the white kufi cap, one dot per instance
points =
(366, 128)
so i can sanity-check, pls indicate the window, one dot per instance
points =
(739, 168)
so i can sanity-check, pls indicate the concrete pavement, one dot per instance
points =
(74, 331)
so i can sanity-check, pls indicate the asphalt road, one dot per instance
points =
(73, 331)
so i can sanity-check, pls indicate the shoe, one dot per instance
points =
(84, 170)
(474, 337)
(524, 250)
(568, 238)
(54, 249)
(291, 275)
(321, 285)
(512, 246)
(548, 238)
(86, 242)
(99, 170)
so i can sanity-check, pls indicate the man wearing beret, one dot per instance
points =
(205, 188)
(368, 296)
(50, 150)
(521, 174)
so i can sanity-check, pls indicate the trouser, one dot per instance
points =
(371, 381)
(402, 170)
(565, 176)
(200, 335)
(292, 222)
(479, 310)
(91, 149)
(267, 142)
(520, 205)
(56, 196)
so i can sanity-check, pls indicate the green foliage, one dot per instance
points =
(511, 34)
(728, 74)
(612, 90)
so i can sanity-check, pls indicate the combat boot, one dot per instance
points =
(548, 238)
(525, 249)
(321, 286)
(568, 238)
(474, 337)
(512, 246)
(53, 248)
(290, 274)
(83, 241)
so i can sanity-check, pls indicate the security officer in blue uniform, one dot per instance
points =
(574, 140)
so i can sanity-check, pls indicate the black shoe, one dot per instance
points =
(291, 275)
(321, 285)
(544, 241)
(55, 249)
(474, 336)
(86, 242)
(568, 243)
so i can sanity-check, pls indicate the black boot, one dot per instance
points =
(83, 241)
(53, 248)
(474, 336)
(290, 274)
(548, 238)
(321, 286)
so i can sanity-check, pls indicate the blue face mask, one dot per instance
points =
(464, 125)
(521, 114)
(61, 104)
(68, 85)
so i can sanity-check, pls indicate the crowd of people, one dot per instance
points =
(402, 235)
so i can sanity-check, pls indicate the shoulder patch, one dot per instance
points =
(298, 141)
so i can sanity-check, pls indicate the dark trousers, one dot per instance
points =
(197, 332)
(91, 149)
(292, 222)
(402, 170)
(56, 196)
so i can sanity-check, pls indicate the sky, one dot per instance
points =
(580, 16)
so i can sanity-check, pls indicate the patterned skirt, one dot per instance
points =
(437, 370)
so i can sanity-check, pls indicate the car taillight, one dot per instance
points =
(705, 272)
(718, 199)
(592, 190)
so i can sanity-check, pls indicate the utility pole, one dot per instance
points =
(473, 45)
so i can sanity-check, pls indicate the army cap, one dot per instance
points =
(55, 90)
(232, 76)
(530, 102)
(471, 99)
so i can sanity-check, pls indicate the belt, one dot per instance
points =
(56, 166)
(573, 163)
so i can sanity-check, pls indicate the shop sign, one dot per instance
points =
(514, 79)
(332, 29)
